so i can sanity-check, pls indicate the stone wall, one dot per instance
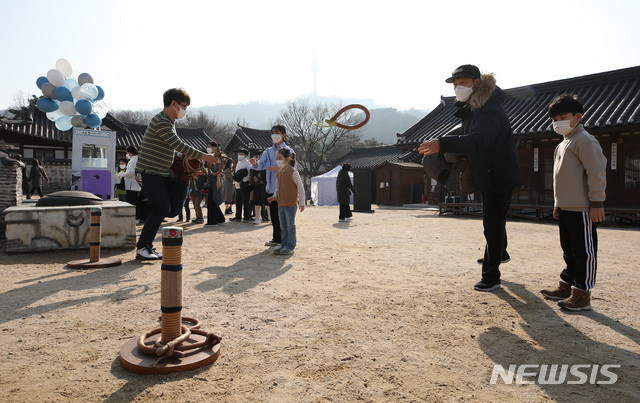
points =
(11, 193)
(59, 174)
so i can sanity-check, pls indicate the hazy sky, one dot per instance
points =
(396, 53)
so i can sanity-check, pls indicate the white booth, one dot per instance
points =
(93, 162)
(323, 188)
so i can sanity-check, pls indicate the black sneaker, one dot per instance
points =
(486, 286)
(236, 219)
(505, 259)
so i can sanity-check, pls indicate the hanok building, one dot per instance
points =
(36, 136)
(387, 174)
(612, 115)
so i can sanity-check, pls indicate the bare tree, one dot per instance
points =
(215, 129)
(135, 117)
(315, 145)
(21, 100)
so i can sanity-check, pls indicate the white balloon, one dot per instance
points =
(89, 91)
(53, 116)
(76, 93)
(67, 108)
(100, 108)
(65, 67)
(55, 77)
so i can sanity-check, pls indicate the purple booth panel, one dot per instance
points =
(97, 181)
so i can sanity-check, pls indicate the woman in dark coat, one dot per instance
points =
(37, 176)
(344, 187)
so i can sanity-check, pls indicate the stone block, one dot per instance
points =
(30, 228)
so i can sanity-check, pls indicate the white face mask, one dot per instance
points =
(463, 93)
(209, 150)
(241, 157)
(562, 127)
(276, 138)
(122, 166)
(182, 113)
(280, 163)
(128, 157)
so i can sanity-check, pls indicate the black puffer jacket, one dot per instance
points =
(488, 139)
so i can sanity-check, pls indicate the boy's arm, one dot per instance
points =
(595, 166)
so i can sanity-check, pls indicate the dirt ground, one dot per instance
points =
(380, 309)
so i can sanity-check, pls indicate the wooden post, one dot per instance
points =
(171, 283)
(95, 234)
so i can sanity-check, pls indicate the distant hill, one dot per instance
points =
(383, 125)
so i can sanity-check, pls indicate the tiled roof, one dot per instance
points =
(254, 139)
(37, 125)
(196, 138)
(367, 158)
(612, 99)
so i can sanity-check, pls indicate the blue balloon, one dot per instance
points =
(41, 80)
(46, 104)
(100, 93)
(92, 120)
(63, 94)
(64, 123)
(83, 107)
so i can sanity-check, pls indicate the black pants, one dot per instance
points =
(214, 214)
(133, 199)
(579, 242)
(345, 211)
(25, 188)
(166, 199)
(243, 201)
(275, 220)
(495, 207)
(33, 190)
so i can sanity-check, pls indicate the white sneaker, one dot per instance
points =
(343, 220)
(146, 253)
(256, 221)
(349, 218)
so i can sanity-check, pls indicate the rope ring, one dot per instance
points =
(333, 121)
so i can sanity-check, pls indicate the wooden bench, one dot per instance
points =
(623, 214)
(528, 211)
(461, 208)
(540, 212)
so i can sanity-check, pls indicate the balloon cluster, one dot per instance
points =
(71, 101)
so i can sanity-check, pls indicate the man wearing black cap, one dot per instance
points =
(488, 145)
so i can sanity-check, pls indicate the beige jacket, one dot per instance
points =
(579, 172)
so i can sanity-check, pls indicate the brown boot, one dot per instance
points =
(563, 291)
(580, 300)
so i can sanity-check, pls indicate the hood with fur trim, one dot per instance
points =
(483, 93)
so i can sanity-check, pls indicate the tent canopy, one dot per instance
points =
(323, 188)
